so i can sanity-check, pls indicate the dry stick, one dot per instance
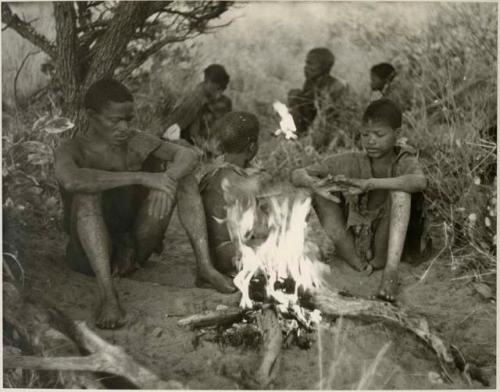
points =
(115, 360)
(438, 254)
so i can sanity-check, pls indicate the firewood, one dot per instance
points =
(225, 316)
(272, 341)
(334, 304)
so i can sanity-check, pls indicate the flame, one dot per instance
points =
(287, 125)
(284, 253)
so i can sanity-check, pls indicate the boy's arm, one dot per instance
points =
(185, 112)
(77, 179)
(409, 183)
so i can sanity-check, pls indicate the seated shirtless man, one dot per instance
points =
(117, 204)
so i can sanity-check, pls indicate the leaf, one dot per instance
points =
(173, 132)
(58, 125)
(39, 159)
(483, 289)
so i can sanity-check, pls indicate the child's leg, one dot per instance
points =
(399, 217)
(192, 217)
(332, 219)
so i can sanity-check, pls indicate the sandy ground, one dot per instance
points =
(157, 296)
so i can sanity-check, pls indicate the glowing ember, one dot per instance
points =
(287, 125)
(284, 254)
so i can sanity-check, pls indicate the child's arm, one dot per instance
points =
(409, 183)
(321, 187)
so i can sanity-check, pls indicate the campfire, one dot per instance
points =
(282, 290)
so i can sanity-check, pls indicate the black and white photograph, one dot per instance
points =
(224, 195)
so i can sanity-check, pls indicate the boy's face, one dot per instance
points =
(113, 121)
(214, 91)
(377, 83)
(378, 139)
(312, 68)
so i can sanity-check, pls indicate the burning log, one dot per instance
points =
(271, 329)
(226, 316)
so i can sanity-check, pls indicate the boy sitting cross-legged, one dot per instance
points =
(229, 181)
(374, 192)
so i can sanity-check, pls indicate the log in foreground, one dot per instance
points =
(272, 340)
(56, 342)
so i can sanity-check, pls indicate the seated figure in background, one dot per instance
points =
(319, 96)
(194, 114)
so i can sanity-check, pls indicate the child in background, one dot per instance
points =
(384, 84)
(368, 214)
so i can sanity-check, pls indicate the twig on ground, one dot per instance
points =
(446, 242)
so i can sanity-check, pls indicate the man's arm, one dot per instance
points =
(83, 180)
(184, 159)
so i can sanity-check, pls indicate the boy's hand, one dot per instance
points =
(324, 188)
(352, 186)
(160, 203)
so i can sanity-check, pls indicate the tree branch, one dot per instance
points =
(141, 57)
(27, 31)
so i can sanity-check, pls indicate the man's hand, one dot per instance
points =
(160, 181)
(160, 203)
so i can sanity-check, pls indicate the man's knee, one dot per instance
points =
(87, 203)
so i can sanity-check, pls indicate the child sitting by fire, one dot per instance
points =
(373, 194)
(231, 180)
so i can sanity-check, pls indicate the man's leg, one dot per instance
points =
(94, 239)
(149, 231)
(399, 217)
(332, 219)
(192, 217)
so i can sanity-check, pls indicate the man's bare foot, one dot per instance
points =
(109, 314)
(388, 287)
(220, 282)
(124, 262)
(378, 263)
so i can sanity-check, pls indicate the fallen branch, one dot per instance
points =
(41, 329)
(225, 316)
(334, 304)
(56, 342)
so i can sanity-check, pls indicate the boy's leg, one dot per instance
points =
(192, 217)
(94, 239)
(332, 219)
(396, 228)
